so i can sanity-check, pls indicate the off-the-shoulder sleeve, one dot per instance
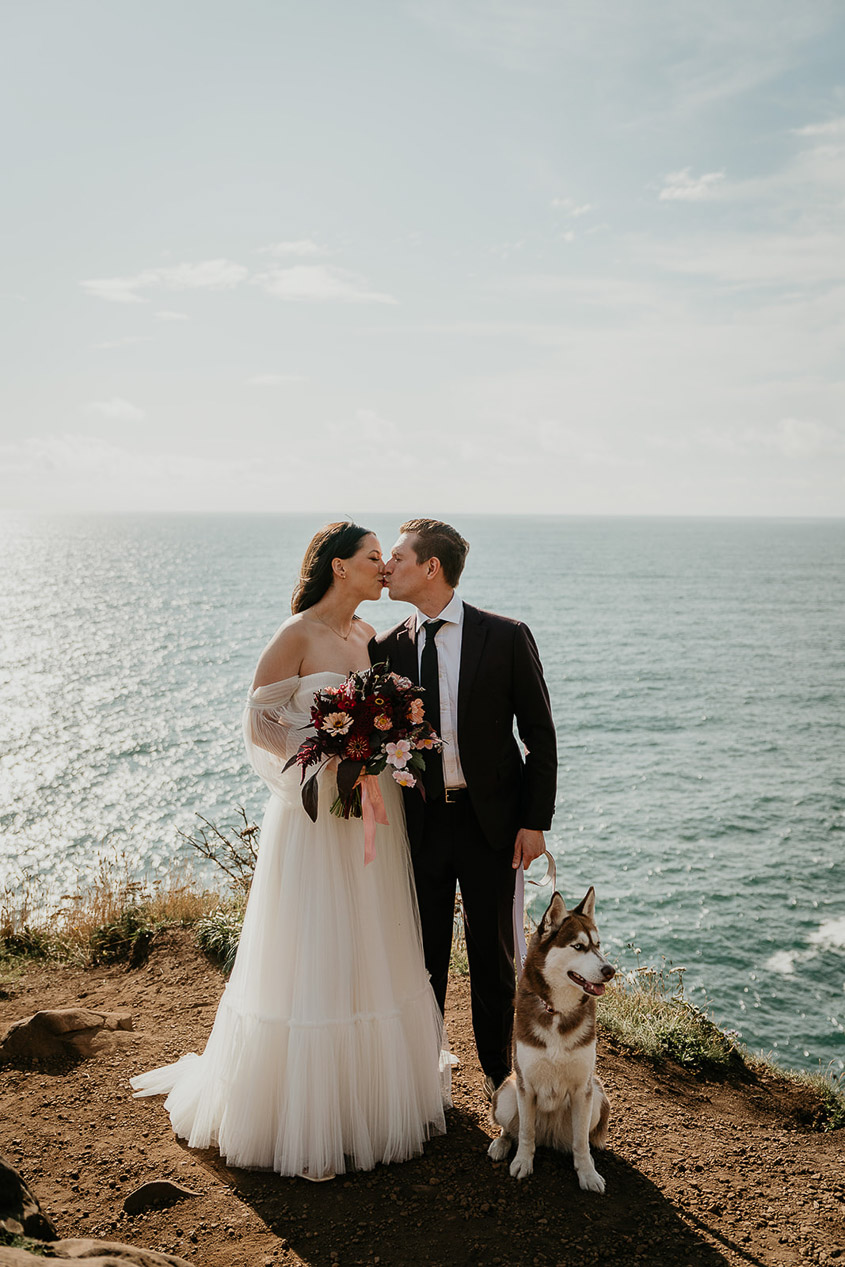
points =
(274, 727)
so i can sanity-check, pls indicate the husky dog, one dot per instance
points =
(554, 1097)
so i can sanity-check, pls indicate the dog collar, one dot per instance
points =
(551, 1011)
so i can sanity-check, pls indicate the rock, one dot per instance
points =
(62, 1033)
(101, 1253)
(20, 1213)
(156, 1192)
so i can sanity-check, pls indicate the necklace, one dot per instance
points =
(336, 632)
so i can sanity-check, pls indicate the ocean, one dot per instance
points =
(697, 676)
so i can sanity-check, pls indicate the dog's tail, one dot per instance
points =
(598, 1135)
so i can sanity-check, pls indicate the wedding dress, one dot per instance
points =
(325, 1052)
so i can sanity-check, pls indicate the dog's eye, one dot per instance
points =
(578, 946)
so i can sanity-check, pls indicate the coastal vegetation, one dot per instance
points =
(116, 917)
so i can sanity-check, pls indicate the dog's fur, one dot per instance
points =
(553, 1096)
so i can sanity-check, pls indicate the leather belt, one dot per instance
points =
(451, 795)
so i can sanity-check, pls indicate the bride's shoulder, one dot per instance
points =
(365, 629)
(283, 655)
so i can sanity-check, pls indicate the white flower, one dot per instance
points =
(337, 723)
(398, 754)
(404, 778)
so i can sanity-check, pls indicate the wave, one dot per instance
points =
(830, 934)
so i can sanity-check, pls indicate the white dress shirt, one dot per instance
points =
(448, 640)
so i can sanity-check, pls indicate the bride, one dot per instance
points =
(325, 1052)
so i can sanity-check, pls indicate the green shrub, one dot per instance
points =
(219, 932)
(127, 937)
(12, 1241)
(645, 1010)
(31, 943)
(826, 1087)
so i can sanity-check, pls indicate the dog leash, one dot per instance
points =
(519, 906)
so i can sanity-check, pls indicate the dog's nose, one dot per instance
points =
(608, 971)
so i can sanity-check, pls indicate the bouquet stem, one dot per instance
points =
(348, 806)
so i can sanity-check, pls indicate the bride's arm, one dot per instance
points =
(280, 660)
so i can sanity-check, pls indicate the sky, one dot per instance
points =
(423, 256)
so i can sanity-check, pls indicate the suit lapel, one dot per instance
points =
(405, 660)
(472, 647)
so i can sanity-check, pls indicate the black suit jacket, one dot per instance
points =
(501, 680)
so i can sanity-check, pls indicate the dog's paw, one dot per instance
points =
(499, 1148)
(522, 1166)
(590, 1180)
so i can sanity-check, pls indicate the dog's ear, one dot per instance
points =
(587, 905)
(553, 917)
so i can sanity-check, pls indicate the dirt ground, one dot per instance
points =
(697, 1172)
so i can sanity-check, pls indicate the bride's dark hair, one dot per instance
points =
(335, 541)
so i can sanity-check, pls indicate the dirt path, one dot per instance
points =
(697, 1172)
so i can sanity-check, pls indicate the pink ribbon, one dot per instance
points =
(373, 811)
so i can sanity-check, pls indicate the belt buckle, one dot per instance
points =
(452, 794)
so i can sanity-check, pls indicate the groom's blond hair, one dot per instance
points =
(436, 540)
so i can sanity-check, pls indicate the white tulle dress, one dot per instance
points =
(325, 1052)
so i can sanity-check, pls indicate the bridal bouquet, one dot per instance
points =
(371, 721)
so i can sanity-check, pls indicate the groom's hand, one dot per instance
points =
(529, 845)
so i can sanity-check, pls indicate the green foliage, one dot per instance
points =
(827, 1086)
(27, 942)
(11, 1241)
(831, 1091)
(218, 934)
(127, 937)
(646, 1011)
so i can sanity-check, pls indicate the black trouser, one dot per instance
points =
(453, 849)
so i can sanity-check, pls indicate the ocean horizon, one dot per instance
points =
(697, 674)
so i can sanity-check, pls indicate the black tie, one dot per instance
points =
(430, 680)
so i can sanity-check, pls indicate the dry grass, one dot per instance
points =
(78, 925)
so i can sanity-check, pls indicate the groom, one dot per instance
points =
(485, 807)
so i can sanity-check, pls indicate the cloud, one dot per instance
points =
(300, 247)
(795, 259)
(117, 408)
(682, 186)
(219, 274)
(63, 454)
(125, 342)
(119, 290)
(208, 274)
(571, 207)
(124, 476)
(833, 128)
(274, 380)
(319, 283)
(796, 440)
(380, 445)
(806, 438)
(311, 282)
(705, 54)
(166, 314)
(794, 237)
